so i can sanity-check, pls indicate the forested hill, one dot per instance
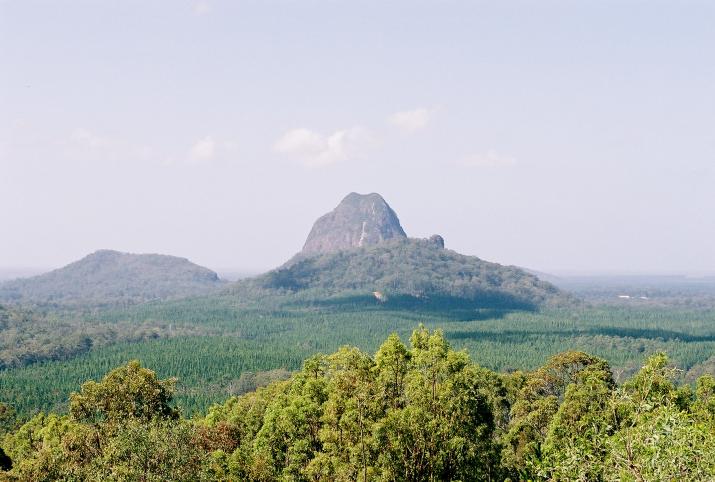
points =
(413, 271)
(110, 277)
(359, 254)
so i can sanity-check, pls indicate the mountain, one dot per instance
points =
(360, 252)
(110, 277)
(359, 220)
(413, 268)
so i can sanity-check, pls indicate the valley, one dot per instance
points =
(344, 241)
(321, 299)
(219, 341)
(215, 341)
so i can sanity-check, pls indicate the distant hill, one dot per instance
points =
(551, 278)
(360, 252)
(109, 277)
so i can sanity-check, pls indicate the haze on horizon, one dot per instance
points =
(555, 135)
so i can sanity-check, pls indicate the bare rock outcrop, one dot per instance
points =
(359, 220)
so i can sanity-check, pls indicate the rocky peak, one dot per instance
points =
(437, 240)
(359, 220)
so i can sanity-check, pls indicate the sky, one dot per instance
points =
(563, 136)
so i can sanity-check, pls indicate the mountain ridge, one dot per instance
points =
(394, 266)
(359, 248)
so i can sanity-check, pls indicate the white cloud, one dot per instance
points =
(229, 146)
(491, 159)
(85, 144)
(315, 149)
(411, 120)
(203, 150)
(202, 8)
(85, 138)
(301, 142)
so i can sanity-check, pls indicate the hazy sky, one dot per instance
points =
(557, 135)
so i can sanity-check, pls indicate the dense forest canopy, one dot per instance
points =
(210, 343)
(416, 268)
(32, 336)
(422, 411)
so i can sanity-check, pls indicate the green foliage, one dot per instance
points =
(664, 444)
(159, 450)
(28, 337)
(705, 393)
(71, 303)
(423, 412)
(211, 344)
(8, 418)
(574, 447)
(541, 400)
(414, 414)
(36, 448)
(124, 394)
(122, 428)
(416, 270)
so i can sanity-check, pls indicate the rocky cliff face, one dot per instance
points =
(359, 220)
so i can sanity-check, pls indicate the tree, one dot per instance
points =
(538, 402)
(156, 450)
(575, 446)
(444, 430)
(351, 408)
(704, 405)
(653, 386)
(391, 363)
(7, 418)
(289, 435)
(423, 413)
(126, 393)
(37, 448)
(657, 437)
(662, 444)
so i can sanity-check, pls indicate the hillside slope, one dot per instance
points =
(417, 269)
(111, 277)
